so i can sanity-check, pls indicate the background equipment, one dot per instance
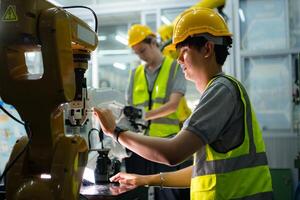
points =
(135, 116)
(46, 164)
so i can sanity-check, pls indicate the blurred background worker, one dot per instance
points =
(158, 86)
(166, 32)
(222, 133)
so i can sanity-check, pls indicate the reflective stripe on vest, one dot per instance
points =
(165, 126)
(240, 173)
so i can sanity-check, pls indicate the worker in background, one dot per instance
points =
(158, 86)
(166, 33)
(222, 132)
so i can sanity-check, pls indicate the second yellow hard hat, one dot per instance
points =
(165, 32)
(137, 33)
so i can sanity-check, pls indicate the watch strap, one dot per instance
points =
(117, 132)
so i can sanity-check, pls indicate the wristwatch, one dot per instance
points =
(117, 132)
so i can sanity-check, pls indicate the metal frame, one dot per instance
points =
(130, 6)
(241, 55)
(237, 42)
(144, 15)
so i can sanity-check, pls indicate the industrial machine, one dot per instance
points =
(135, 116)
(47, 164)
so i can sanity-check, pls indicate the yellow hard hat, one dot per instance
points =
(198, 21)
(209, 4)
(138, 33)
(165, 32)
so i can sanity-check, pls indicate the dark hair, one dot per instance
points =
(149, 39)
(221, 51)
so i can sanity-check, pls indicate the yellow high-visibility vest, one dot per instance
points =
(165, 126)
(239, 173)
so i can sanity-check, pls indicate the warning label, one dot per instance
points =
(10, 14)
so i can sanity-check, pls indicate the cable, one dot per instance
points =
(100, 134)
(28, 131)
(7, 168)
(297, 192)
(94, 14)
(11, 116)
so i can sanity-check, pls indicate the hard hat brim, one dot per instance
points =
(170, 47)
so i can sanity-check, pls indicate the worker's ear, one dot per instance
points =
(209, 49)
(153, 43)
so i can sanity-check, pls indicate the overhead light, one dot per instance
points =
(121, 39)
(121, 66)
(102, 37)
(45, 176)
(115, 52)
(242, 16)
(165, 20)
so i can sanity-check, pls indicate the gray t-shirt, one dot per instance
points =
(218, 118)
(179, 83)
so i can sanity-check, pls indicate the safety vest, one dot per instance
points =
(165, 126)
(241, 172)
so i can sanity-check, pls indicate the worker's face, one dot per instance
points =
(144, 51)
(187, 62)
(192, 60)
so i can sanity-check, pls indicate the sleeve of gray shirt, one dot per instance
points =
(213, 112)
(179, 84)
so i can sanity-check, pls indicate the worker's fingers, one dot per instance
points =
(105, 114)
(102, 112)
(126, 179)
(115, 178)
(118, 176)
(128, 182)
(107, 120)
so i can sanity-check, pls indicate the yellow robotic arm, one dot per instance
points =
(209, 4)
(52, 164)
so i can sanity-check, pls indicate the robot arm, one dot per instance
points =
(65, 42)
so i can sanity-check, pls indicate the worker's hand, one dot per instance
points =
(129, 179)
(107, 120)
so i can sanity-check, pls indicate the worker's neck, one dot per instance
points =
(206, 75)
(156, 62)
